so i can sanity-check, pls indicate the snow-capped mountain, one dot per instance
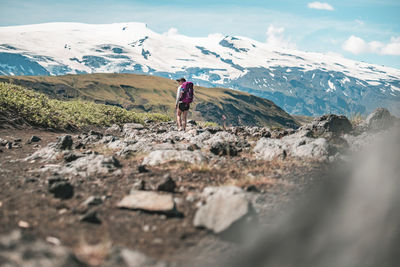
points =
(300, 82)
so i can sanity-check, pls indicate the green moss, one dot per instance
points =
(38, 109)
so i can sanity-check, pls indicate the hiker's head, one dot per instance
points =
(181, 80)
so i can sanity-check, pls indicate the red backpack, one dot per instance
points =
(188, 92)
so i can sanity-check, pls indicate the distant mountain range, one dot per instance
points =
(146, 93)
(302, 83)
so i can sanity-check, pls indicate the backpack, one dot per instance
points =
(188, 92)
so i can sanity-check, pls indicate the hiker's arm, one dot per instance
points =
(178, 95)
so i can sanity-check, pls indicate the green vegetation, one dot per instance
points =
(39, 110)
(208, 124)
(146, 93)
(357, 118)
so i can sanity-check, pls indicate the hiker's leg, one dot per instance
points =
(179, 118)
(184, 119)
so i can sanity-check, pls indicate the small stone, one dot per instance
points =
(53, 240)
(9, 145)
(69, 157)
(167, 184)
(148, 201)
(18, 140)
(64, 142)
(139, 185)
(252, 188)
(192, 122)
(193, 147)
(62, 190)
(93, 200)
(142, 169)
(23, 224)
(34, 139)
(91, 217)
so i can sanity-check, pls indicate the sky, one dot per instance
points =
(364, 30)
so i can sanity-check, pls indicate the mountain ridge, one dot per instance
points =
(145, 93)
(302, 83)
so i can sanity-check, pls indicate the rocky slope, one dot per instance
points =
(300, 82)
(107, 196)
(143, 93)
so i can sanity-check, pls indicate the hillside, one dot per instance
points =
(302, 83)
(155, 94)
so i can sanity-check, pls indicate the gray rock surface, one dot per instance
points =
(224, 206)
(164, 156)
(148, 201)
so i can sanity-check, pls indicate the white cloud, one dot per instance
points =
(357, 45)
(392, 48)
(172, 31)
(275, 38)
(319, 5)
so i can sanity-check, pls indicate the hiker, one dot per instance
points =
(184, 96)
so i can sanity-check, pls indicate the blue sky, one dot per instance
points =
(365, 30)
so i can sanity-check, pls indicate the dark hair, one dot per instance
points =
(181, 80)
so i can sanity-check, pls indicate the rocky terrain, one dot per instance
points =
(149, 195)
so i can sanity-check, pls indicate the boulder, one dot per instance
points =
(378, 120)
(330, 124)
(224, 206)
(164, 156)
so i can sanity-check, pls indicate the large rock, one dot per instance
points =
(294, 145)
(164, 156)
(19, 250)
(330, 124)
(378, 120)
(129, 128)
(268, 149)
(64, 142)
(148, 201)
(224, 206)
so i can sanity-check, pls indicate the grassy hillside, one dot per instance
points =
(142, 93)
(18, 103)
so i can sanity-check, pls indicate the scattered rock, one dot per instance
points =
(224, 206)
(164, 156)
(192, 122)
(113, 130)
(62, 190)
(64, 142)
(148, 201)
(223, 149)
(167, 184)
(90, 217)
(93, 200)
(142, 169)
(71, 156)
(130, 127)
(17, 249)
(139, 185)
(34, 139)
